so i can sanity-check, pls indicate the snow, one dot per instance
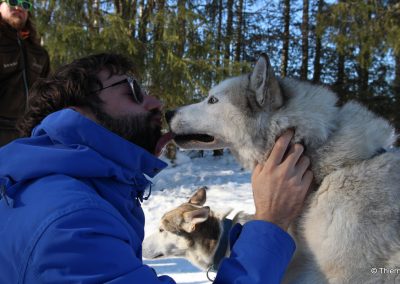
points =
(228, 187)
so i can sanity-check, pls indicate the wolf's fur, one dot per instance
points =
(351, 223)
(190, 230)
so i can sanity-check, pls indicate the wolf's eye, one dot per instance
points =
(161, 230)
(212, 100)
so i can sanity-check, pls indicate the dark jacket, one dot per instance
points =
(70, 212)
(22, 62)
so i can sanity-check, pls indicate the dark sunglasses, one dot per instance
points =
(26, 5)
(136, 91)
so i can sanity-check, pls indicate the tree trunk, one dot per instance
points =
(96, 15)
(117, 5)
(365, 58)
(133, 18)
(147, 9)
(88, 16)
(229, 29)
(126, 10)
(219, 33)
(159, 23)
(339, 85)
(286, 38)
(181, 28)
(318, 45)
(239, 40)
(364, 74)
(158, 36)
(340, 78)
(304, 41)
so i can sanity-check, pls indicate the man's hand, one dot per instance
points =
(280, 185)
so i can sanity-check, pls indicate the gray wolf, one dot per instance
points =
(351, 221)
(193, 231)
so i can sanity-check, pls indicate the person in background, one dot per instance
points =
(71, 190)
(22, 62)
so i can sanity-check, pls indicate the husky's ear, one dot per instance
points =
(195, 217)
(199, 197)
(265, 85)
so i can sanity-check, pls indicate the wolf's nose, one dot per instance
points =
(169, 115)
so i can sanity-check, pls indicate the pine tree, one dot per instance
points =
(304, 41)
(239, 37)
(318, 43)
(286, 38)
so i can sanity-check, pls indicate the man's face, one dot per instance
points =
(14, 16)
(139, 123)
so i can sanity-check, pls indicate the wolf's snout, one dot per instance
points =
(169, 115)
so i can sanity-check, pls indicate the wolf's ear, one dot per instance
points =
(265, 85)
(195, 217)
(199, 197)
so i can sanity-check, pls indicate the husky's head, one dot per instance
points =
(234, 115)
(247, 114)
(190, 230)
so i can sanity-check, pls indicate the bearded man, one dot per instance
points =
(22, 62)
(71, 191)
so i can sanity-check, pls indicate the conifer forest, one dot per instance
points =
(183, 47)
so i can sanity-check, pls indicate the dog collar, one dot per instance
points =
(222, 244)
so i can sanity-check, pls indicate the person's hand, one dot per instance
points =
(280, 185)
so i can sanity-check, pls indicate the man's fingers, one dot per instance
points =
(294, 155)
(280, 148)
(302, 165)
(307, 179)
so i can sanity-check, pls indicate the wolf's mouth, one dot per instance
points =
(196, 141)
(194, 137)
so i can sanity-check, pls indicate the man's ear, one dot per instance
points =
(199, 197)
(265, 85)
(195, 217)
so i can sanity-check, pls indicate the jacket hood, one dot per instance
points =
(68, 143)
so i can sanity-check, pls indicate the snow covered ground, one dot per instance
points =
(228, 186)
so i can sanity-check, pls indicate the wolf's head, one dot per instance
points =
(234, 115)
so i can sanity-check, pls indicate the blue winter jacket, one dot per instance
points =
(69, 212)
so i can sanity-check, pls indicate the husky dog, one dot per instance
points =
(194, 232)
(349, 231)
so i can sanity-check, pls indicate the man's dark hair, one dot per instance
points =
(71, 85)
(29, 26)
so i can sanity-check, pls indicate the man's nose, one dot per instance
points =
(152, 103)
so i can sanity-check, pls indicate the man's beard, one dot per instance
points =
(16, 22)
(137, 128)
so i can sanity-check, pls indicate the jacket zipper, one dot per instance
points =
(24, 76)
